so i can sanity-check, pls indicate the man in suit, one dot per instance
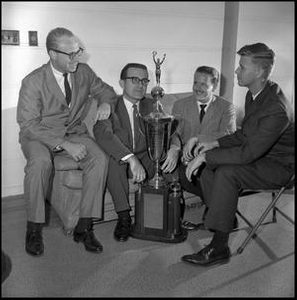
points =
(202, 117)
(51, 101)
(260, 155)
(122, 137)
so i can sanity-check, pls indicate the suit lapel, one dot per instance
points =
(53, 85)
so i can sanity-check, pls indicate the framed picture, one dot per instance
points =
(10, 37)
(33, 40)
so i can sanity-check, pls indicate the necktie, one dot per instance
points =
(67, 89)
(136, 126)
(202, 111)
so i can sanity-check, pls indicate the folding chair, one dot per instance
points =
(276, 194)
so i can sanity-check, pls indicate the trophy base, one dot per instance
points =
(174, 238)
(158, 215)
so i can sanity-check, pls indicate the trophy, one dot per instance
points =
(158, 209)
(157, 129)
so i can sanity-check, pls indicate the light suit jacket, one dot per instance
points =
(219, 120)
(42, 112)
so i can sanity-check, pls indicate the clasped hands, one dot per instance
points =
(194, 155)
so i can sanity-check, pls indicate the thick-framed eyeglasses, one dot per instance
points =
(71, 55)
(136, 80)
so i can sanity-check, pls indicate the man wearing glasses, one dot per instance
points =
(122, 137)
(51, 101)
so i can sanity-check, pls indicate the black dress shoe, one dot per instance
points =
(88, 238)
(34, 244)
(122, 229)
(208, 256)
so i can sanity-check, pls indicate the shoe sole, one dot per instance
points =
(33, 254)
(91, 251)
(220, 262)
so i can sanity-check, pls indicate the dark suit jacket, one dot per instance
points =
(219, 120)
(114, 135)
(266, 137)
(42, 111)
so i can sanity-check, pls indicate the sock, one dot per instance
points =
(83, 224)
(124, 214)
(34, 226)
(220, 239)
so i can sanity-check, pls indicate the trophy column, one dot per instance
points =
(158, 202)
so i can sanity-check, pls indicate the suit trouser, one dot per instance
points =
(39, 172)
(193, 186)
(117, 180)
(221, 186)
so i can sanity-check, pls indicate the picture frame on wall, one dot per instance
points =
(10, 37)
(33, 39)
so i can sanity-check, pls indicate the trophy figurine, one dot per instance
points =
(157, 128)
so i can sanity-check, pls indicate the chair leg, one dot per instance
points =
(259, 222)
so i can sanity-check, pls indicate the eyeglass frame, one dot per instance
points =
(71, 55)
(136, 80)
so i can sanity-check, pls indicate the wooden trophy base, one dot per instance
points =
(158, 215)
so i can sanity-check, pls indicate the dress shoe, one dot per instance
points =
(34, 244)
(190, 226)
(208, 256)
(122, 229)
(88, 238)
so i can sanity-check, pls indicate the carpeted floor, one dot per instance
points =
(139, 268)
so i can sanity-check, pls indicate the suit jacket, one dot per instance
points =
(42, 111)
(266, 136)
(114, 135)
(219, 119)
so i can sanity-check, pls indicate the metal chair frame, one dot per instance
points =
(276, 194)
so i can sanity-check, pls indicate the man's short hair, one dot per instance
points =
(215, 75)
(52, 40)
(261, 55)
(124, 71)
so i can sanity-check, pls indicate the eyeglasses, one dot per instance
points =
(71, 55)
(136, 80)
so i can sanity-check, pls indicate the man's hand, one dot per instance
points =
(136, 168)
(193, 166)
(188, 148)
(76, 150)
(103, 112)
(171, 161)
(205, 146)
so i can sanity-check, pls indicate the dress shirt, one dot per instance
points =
(256, 95)
(207, 104)
(60, 79)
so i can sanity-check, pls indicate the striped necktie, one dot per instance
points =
(67, 89)
(136, 126)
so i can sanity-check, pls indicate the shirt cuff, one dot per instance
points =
(126, 157)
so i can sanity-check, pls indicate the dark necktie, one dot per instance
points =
(202, 111)
(136, 126)
(67, 89)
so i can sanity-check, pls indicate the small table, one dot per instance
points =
(158, 214)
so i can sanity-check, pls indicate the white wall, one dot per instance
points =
(272, 23)
(113, 33)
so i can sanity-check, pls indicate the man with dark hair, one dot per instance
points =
(260, 155)
(202, 117)
(51, 101)
(122, 137)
